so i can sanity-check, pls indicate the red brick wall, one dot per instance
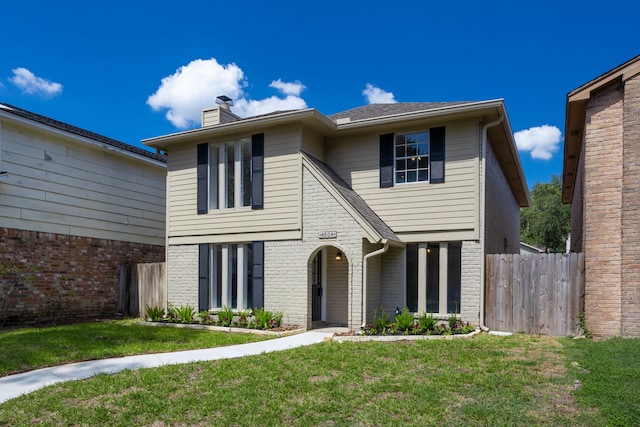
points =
(74, 278)
(631, 211)
(603, 181)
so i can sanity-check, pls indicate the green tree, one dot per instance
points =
(547, 222)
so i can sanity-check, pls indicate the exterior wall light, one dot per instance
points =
(338, 256)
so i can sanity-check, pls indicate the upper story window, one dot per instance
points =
(230, 174)
(412, 157)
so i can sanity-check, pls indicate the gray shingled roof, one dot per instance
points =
(380, 110)
(80, 132)
(353, 199)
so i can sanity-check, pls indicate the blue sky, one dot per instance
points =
(133, 70)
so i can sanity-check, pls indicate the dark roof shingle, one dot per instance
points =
(80, 132)
(353, 199)
(372, 111)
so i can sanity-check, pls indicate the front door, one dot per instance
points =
(316, 288)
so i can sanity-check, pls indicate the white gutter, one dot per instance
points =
(380, 251)
(483, 189)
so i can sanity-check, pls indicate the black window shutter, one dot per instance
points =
(386, 160)
(258, 274)
(203, 178)
(436, 159)
(203, 277)
(257, 171)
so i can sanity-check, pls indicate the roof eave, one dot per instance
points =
(309, 116)
(45, 128)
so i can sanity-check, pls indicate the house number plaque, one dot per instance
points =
(328, 234)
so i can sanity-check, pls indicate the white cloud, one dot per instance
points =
(540, 141)
(293, 88)
(196, 85)
(375, 95)
(32, 84)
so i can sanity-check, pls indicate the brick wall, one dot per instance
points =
(73, 278)
(630, 292)
(471, 282)
(182, 275)
(603, 204)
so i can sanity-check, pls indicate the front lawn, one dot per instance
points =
(30, 348)
(488, 380)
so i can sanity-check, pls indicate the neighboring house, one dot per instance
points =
(529, 249)
(74, 206)
(329, 218)
(601, 180)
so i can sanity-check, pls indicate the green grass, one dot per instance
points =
(31, 348)
(609, 376)
(509, 381)
(498, 381)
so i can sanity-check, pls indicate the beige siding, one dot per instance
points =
(313, 144)
(282, 193)
(502, 211)
(422, 207)
(64, 186)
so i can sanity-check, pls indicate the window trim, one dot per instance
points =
(396, 158)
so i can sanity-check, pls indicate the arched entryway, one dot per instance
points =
(328, 287)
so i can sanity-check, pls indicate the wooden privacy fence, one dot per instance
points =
(534, 293)
(142, 285)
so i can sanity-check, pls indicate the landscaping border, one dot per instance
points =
(392, 338)
(277, 334)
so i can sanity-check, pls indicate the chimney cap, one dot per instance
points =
(224, 99)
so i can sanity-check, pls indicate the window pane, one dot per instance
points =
(423, 175)
(412, 276)
(411, 176)
(454, 277)
(214, 151)
(423, 149)
(400, 177)
(422, 137)
(230, 172)
(412, 163)
(412, 150)
(216, 276)
(400, 151)
(400, 165)
(233, 277)
(433, 278)
(423, 162)
(248, 255)
(245, 146)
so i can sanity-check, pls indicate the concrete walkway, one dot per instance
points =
(16, 385)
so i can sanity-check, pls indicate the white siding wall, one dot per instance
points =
(182, 275)
(422, 207)
(281, 192)
(60, 185)
(502, 211)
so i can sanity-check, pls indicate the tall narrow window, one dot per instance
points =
(433, 278)
(231, 276)
(412, 276)
(454, 277)
(229, 175)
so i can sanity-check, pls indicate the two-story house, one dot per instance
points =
(601, 182)
(74, 206)
(329, 218)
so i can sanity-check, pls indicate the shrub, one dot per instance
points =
(155, 314)
(382, 321)
(185, 314)
(427, 322)
(404, 320)
(225, 316)
(205, 317)
(453, 321)
(172, 314)
(244, 318)
(266, 319)
(276, 319)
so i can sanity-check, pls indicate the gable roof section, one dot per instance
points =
(577, 101)
(6, 109)
(373, 111)
(375, 227)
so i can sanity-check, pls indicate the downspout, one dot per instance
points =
(380, 251)
(483, 189)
